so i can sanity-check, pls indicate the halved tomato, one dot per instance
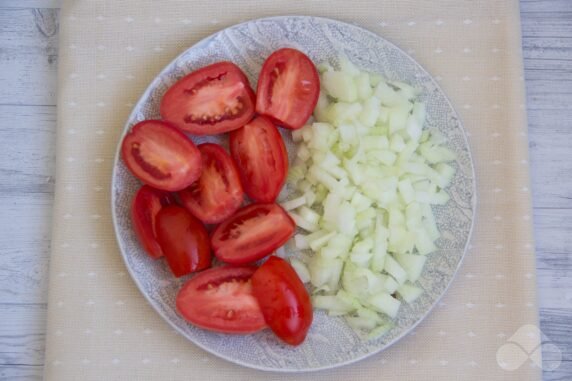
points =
(160, 155)
(252, 233)
(288, 88)
(183, 239)
(217, 194)
(284, 301)
(221, 300)
(260, 154)
(146, 204)
(209, 101)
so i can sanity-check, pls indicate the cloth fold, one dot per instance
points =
(99, 325)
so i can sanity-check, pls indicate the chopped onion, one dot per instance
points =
(365, 176)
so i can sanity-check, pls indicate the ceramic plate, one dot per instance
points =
(330, 342)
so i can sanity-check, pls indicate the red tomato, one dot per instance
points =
(160, 155)
(184, 240)
(259, 151)
(209, 101)
(284, 300)
(146, 204)
(217, 194)
(221, 300)
(252, 233)
(288, 88)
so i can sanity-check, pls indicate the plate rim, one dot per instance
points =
(151, 302)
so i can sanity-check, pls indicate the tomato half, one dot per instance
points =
(220, 299)
(209, 101)
(183, 239)
(288, 88)
(160, 155)
(217, 194)
(252, 233)
(146, 204)
(260, 154)
(284, 300)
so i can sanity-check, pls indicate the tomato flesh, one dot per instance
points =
(252, 233)
(288, 88)
(183, 239)
(146, 205)
(161, 156)
(284, 301)
(261, 157)
(211, 100)
(221, 300)
(217, 194)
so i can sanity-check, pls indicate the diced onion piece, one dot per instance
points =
(390, 285)
(303, 185)
(360, 202)
(339, 85)
(395, 270)
(380, 331)
(359, 323)
(331, 303)
(302, 223)
(325, 272)
(413, 265)
(406, 191)
(310, 197)
(324, 178)
(308, 214)
(301, 242)
(424, 243)
(297, 136)
(346, 219)
(385, 303)
(370, 112)
(409, 292)
(364, 86)
(296, 173)
(294, 203)
(319, 239)
(348, 67)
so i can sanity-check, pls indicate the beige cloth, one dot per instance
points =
(99, 325)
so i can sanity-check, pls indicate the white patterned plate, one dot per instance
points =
(330, 342)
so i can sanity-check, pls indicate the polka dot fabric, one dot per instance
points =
(101, 328)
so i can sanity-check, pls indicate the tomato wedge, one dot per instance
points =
(146, 204)
(183, 239)
(260, 154)
(284, 300)
(217, 194)
(252, 233)
(209, 101)
(221, 300)
(160, 155)
(288, 88)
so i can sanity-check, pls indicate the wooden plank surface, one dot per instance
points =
(28, 62)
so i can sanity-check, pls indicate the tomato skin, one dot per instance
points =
(218, 193)
(260, 154)
(161, 156)
(252, 233)
(285, 303)
(209, 101)
(220, 299)
(183, 239)
(147, 203)
(288, 88)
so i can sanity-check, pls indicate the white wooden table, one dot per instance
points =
(28, 69)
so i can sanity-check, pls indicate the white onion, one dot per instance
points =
(366, 174)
